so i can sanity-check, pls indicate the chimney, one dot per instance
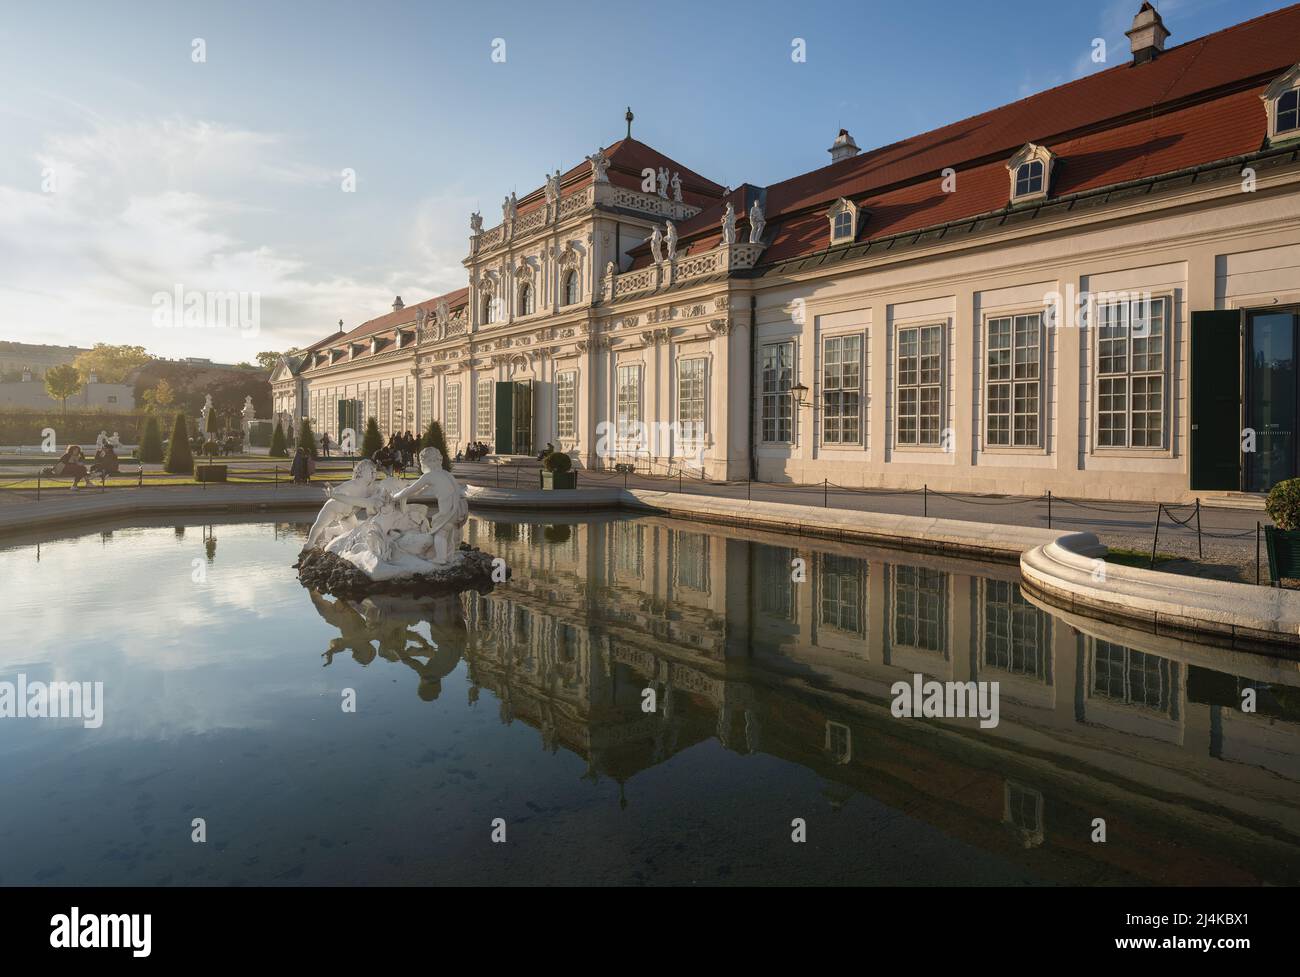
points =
(1147, 35)
(843, 148)
(397, 304)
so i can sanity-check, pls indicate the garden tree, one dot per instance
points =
(228, 386)
(267, 360)
(151, 441)
(372, 441)
(111, 364)
(62, 382)
(179, 461)
(278, 447)
(160, 397)
(433, 438)
(306, 438)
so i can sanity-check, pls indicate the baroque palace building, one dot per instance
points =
(1093, 291)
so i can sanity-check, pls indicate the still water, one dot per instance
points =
(224, 682)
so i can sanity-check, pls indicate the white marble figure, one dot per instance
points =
(247, 415)
(100, 440)
(657, 244)
(671, 239)
(476, 223)
(204, 412)
(756, 223)
(599, 166)
(677, 187)
(729, 224)
(553, 187)
(115, 441)
(338, 514)
(663, 182)
(386, 536)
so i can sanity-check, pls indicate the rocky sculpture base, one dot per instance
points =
(326, 573)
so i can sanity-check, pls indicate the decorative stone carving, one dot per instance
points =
(671, 238)
(720, 327)
(720, 302)
(756, 223)
(663, 182)
(729, 224)
(476, 223)
(677, 187)
(599, 166)
(657, 244)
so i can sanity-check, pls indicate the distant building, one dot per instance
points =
(93, 396)
(35, 358)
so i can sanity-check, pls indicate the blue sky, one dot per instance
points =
(128, 169)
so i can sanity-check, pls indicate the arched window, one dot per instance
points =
(1029, 178)
(571, 288)
(489, 309)
(526, 305)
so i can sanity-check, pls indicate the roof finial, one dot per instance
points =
(629, 117)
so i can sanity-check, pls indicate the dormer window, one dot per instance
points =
(844, 221)
(1282, 102)
(1029, 178)
(1031, 173)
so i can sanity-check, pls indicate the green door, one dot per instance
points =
(505, 401)
(523, 420)
(1216, 401)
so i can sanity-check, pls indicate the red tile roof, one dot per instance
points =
(388, 323)
(1195, 103)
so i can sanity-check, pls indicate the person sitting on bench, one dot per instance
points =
(106, 462)
(72, 464)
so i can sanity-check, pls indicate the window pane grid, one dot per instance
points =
(920, 384)
(841, 390)
(565, 393)
(1131, 363)
(777, 378)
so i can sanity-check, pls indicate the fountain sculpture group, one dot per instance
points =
(367, 539)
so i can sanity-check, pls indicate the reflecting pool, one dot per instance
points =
(770, 660)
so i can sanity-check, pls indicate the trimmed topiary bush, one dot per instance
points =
(557, 463)
(306, 437)
(434, 438)
(151, 449)
(179, 460)
(1283, 504)
(278, 448)
(372, 440)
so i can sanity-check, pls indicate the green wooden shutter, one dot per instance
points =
(505, 418)
(1216, 401)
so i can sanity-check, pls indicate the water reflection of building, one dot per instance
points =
(1192, 789)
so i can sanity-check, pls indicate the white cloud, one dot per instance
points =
(140, 207)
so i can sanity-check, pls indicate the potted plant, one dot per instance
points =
(1283, 537)
(557, 472)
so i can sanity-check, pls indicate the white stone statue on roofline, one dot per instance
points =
(671, 239)
(599, 166)
(476, 223)
(677, 187)
(756, 223)
(657, 244)
(729, 224)
(663, 182)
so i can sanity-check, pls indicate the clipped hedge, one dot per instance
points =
(21, 425)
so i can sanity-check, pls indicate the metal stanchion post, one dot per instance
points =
(1156, 538)
(1200, 553)
(925, 500)
(1049, 508)
(826, 493)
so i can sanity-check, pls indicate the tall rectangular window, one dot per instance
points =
(1013, 381)
(566, 392)
(777, 365)
(690, 397)
(1131, 401)
(483, 422)
(451, 418)
(920, 385)
(842, 390)
(920, 607)
(628, 406)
